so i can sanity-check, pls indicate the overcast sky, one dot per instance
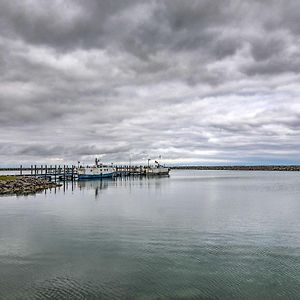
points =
(197, 82)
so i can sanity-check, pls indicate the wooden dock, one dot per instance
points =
(53, 173)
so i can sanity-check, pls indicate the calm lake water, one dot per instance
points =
(193, 235)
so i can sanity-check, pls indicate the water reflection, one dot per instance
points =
(97, 185)
(126, 182)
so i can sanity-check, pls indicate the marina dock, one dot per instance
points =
(69, 172)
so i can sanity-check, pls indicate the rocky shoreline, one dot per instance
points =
(25, 185)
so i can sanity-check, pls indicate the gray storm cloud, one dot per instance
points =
(204, 82)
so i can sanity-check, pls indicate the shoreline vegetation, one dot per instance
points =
(289, 168)
(23, 185)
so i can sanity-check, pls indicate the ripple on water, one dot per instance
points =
(194, 238)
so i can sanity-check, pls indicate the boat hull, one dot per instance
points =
(95, 176)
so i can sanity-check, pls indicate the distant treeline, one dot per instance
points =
(241, 168)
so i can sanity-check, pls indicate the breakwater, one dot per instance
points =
(241, 168)
(12, 185)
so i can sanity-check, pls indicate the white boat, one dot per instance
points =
(96, 171)
(157, 170)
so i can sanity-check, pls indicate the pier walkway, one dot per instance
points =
(66, 172)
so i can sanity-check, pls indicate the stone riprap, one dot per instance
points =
(24, 185)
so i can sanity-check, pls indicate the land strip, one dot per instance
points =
(242, 168)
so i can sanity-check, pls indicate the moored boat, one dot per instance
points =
(95, 172)
(158, 169)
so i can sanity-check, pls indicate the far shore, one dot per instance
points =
(292, 168)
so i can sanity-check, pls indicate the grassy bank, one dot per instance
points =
(7, 177)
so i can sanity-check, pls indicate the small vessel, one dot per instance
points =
(96, 171)
(157, 169)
